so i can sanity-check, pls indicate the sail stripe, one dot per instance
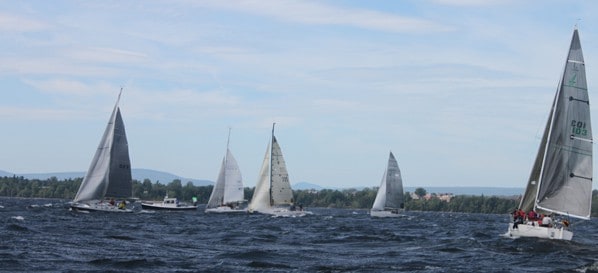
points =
(582, 139)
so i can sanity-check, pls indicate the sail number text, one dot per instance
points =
(579, 128)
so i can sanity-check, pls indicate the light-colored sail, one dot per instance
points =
(273, 193)
(233, 188)
(380, 200)
(261, 195)
(390, 193)
(280, 186)
(109, 173)
(217, 196)
(229, 185)
(562, 173)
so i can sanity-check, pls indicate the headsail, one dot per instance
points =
(380, 201)
(217, 196)
(261, 194)
(564, 177)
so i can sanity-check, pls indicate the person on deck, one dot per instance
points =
(532, 215)
(518, 216)
(122, 205)
(547, 221)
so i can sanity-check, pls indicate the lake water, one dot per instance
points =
(35, 238)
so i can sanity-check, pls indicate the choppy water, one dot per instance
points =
(53, 239)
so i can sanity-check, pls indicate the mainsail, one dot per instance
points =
(561, 179)
(390, 193)
(280, 186)
(110, 171)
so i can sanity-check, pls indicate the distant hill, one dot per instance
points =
(138, 174)
(165, 177)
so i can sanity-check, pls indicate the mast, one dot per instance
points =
(273, 139)
(227, 144)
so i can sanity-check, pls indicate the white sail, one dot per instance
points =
(280, 186)
(261, 195)
(380, 200)
(561, 179)
(217, 196)
(390, 193)
(273, 193)
(233, 186)
(109, 173)
(228, 190)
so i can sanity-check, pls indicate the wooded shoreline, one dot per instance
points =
(347, 198)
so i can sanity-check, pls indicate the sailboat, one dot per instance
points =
(228, 193)
(389, 200)
(560, 183)
(109, 174)
(273, 194)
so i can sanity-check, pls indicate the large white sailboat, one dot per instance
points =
(560, 184)
(273, 194)
(228, 194)
(108, 181)
(389, 200)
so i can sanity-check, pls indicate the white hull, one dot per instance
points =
(385, 213)
(225, 209)
(281, 212)
(96, 206)
(529, 230)
(161, 206)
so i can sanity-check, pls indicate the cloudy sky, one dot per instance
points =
(458, 90)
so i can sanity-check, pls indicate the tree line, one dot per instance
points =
(17, 186)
